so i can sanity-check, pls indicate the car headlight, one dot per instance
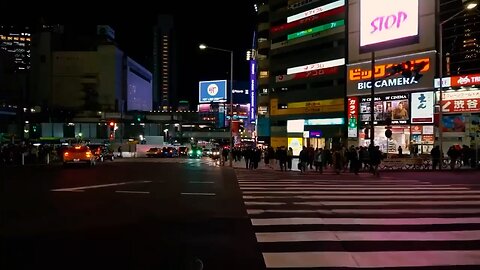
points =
(190, 152)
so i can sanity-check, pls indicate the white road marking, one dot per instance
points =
(334, 192)
(377, 259)
(367, 211)
(354, 203)
(265, 203)
(200, 182)
(347, 197)
(430, 188)
(132, 192)
(198, 194)
(367, 236)
(363, 221)
(101, 186)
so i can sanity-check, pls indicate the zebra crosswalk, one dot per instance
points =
(335, 223)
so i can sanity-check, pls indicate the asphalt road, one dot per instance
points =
(125, 215)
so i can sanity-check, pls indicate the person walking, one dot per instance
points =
(435, 153)
(289, 158)
(400, 151)
(303, 159)
(319, 160)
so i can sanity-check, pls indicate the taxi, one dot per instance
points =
(78, 154)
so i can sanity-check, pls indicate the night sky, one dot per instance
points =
(222, 24)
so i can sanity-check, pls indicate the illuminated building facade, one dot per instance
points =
(301, 73)
(15, 42)
(461, 39)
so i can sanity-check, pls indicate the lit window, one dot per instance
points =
(263, 74)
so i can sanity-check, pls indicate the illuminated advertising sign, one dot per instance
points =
(305, 75)
(296, 144)
(317, 29)
(457, 81)
(316, 10)
(422, 108)
(395, 107)
(324, 122)
(461, 101)
(295, 126)
(360, 74)
(253, 90)
(352, 113)
(316, 66)
(212, 91)
(307, 20)
(388, 22)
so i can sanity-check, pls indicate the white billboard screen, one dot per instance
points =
(387, 20)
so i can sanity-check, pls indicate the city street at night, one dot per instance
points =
(161, 214)
(167, 213)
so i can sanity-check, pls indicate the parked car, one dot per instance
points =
(170, 152)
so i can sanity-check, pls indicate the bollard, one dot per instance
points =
(48, 158)
(23, 159)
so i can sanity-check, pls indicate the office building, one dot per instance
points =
(461, 38)
(164, 64)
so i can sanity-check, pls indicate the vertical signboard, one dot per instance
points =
(422, 108)
(253, 92)
(352, 111)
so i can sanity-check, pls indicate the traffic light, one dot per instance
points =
(139, 118)
(111, 130)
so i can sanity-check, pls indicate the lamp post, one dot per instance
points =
(204, 47)
(469, 5)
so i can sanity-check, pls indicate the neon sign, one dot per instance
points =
(317, 29)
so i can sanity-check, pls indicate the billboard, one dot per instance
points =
(422, 108)
(394, 106)
(388, 23)
(458, 81)
(461, 101)
(360, 74)
(316, 66)
(253, 90)
(352, 114)
(315, 11)
(212, 91)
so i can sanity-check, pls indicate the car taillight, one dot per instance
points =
(66, 154)
(88, 154)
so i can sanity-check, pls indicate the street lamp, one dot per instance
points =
(204, 47)
(469, 5)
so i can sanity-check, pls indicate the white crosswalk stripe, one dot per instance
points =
(362, 223)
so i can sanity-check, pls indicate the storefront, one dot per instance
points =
(317, 133)
(409, 116)
(461, 110)
(404, 105)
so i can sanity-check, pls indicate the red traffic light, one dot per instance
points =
(112, 124)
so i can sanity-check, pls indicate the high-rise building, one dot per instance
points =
(15, 42)
(301, 73)
(164, 64)
(461, 39)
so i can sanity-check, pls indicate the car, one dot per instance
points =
(154, 152)
(170, 152)
(182, 151)
(195, 152)
(101, 152)
(215, 153)
(207, 152)
(78, 154)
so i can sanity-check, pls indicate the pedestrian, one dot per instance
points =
(400, 151)
(289, 158)
(120, 151)
(435, 153)
(303, 159)
(319, 160)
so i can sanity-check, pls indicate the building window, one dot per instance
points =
(263, 74)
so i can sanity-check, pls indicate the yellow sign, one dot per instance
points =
(296, 144)
(307, 107)
(278, 141)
